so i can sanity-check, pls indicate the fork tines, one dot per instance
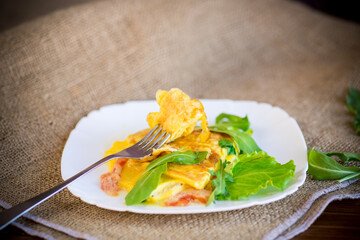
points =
(154, 139)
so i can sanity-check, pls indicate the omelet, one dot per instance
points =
(178, 114)
(178, 177)
(180, 184)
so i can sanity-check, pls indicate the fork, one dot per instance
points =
(154, 139)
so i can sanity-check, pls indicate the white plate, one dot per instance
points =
(274, 131)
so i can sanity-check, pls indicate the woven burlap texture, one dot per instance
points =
(56, 69)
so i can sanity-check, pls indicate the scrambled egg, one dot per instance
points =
(178, 177)
(178, 115)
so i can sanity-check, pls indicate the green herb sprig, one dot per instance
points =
(353, 104)
(237, 128)
(219, 183)
(243, 142)
(228, 145)
(232, 122)
(324, 167)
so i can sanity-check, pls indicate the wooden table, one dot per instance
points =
(340, 220)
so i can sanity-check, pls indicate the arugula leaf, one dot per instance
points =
(232, 122)
(323, 167)
(258, 170)
(220, 192)
(150, 179)
(345, 157)
(353, 100)
(188, 157)
(350, 177)
(249, 132)
(145, 185)
(228, 145)
(243, 142)
(211, 198)
(353, 104)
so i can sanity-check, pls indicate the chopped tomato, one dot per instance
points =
(109, 181)
(118, 165)
(184, 198)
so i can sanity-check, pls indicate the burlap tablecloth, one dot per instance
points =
(56, 69)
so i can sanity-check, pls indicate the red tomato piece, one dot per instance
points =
(109, 181)
(184, 198)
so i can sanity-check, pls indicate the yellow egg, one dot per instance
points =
(130, 173)
(178, 114)
(117, 147)
(167, 187)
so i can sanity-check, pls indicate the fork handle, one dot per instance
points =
(7, 216)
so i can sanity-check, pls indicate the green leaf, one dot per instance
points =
(211, 198)
(245, 158)
(353, 100)
(350, 177)
(228, 145)
(149, 180)
(258, 170)
(243, 142)
(249, 132)
(144, 186)
(323, 167)
(353, 103)
(232, 122)
(220, 192)
(188, 157)
(345, 157)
